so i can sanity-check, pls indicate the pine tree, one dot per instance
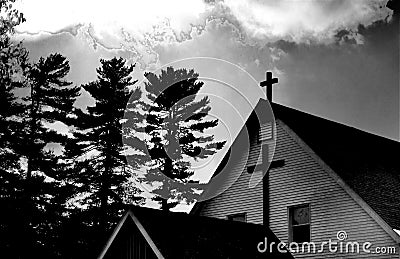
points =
(101, 171)
(175, 122)
(50, 99)
(13, 63)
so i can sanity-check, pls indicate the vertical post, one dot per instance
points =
(266, 199)
(268, 83)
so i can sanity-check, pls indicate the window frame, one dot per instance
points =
(290, 225)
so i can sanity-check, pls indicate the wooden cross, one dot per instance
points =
(274, 164)
(268, 83)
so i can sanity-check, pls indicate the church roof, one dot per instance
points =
(180, 235)
(368, 163)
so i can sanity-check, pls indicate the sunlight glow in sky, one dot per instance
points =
(297, 20)
(53, 16)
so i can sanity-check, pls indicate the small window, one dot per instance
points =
(300, 224)
(237, 217)
(265, 132)
(251, 168)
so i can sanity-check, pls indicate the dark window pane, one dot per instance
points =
(301, 233)
(300, 215)
(250, 169)
(238, 217)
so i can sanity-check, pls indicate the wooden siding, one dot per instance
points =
(302, 180)
(239, 198)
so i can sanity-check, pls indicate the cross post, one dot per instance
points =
(268, 83)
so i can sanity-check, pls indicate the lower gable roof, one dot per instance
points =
(180, 235)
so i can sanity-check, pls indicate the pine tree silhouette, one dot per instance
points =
(40, 189)
(100, 171)
(13, 62)
(175, 123)
(31, 194)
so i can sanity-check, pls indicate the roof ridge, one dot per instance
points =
(339, 123)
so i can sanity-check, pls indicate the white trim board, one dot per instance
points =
(142, 231)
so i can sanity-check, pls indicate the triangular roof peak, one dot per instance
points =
(180, 235)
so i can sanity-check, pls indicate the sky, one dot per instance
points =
(338, 59)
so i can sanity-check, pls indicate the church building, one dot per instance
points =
(326, 182)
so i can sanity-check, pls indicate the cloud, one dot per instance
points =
(146, 30)
(173, 20)
(303, 20)
(136, 26)
(140, 16)
(139, 27)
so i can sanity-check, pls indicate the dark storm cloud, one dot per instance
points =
(304, 21)
(353, 84)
